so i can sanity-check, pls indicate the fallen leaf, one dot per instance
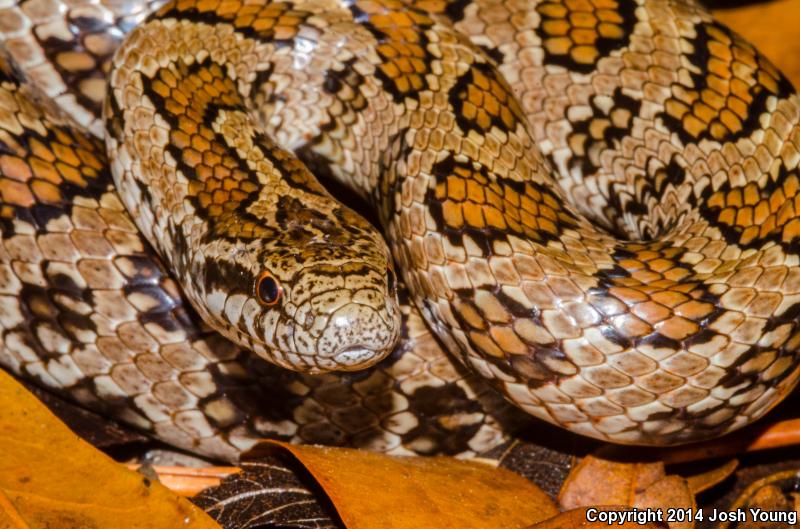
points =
(700, 482)
(371, 491)
(599, 481)
(98, 430)
(9, 517)
(579, 519)
(267, 493)
(188, 481)
(750, 470)
(772, 28)
(776, 495)
(49, 477)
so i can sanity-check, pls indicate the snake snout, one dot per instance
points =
(358, 336)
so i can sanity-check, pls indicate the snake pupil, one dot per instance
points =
(267, 289)
(391, 281)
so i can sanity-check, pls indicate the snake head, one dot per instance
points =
(317, 295)
(264, 253)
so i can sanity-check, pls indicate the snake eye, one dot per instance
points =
(268, 291)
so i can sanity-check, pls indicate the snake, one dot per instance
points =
(591, 203)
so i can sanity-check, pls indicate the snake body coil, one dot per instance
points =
(592, 202)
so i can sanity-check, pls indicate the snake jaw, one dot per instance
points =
(355, 355)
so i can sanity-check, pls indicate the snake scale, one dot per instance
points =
(594, 204)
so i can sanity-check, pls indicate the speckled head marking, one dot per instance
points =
(264, 253)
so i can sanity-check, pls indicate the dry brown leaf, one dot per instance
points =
(52, 478)
(772, 28)
(579, 519)
(9, 517)
(700, 482)
(776, 494)
(101, 432)
(371, 491)
(598, 481)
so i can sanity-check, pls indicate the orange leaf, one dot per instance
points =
(772, 28)
(751, 439)
(49, 477)
(9, 517)
(579, 519)
(597, 481)
(773, 494)
(700, 482)
(188, 481)
(372, 490)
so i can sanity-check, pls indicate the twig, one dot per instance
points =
(776, 435)
(188, 481)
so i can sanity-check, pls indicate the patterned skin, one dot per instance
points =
(681, 326)
(89, 310)
(489, 134)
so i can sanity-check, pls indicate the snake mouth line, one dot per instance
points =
(354, 356)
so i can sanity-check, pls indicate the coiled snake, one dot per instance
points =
(594, 204)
